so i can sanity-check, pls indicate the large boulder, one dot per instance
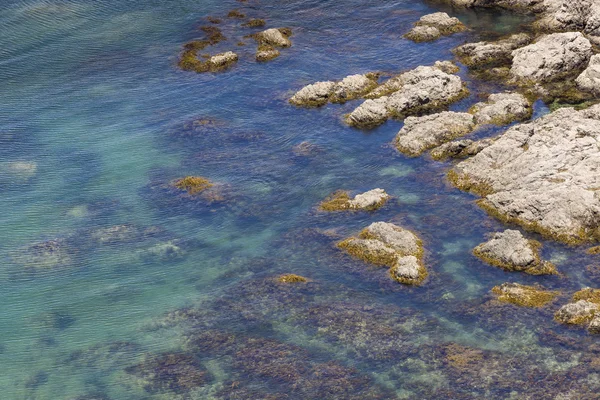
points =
(420, 90)
(383, 243)
(511, 251)
(551, 58)
(589, 80)
(422, 133)
(542, 175)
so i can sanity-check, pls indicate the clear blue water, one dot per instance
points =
(94, 109)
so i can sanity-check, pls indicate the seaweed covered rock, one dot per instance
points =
(541, 175)
(422, 133)
(487, 54)
(511, 251)
(222, 61)
(502, 109)
(460, 149)
(193, 184)
(291, 278)
(266, 53)
(551, 58)
(423, 89)
(46, 255)
(523, 295)
(189, 61)
(278, 37)
(589, 80)
(383, 243)
(171, 372)
(577, 313)
(320, 93)
(369, 201)
(431, 26)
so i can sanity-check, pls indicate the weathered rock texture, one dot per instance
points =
(420, 90)
(422, 133)
(511, 251)
(368, 201)
(502, 109)
(522, 295)
(274, 37)
(551, 58)
(542, 175)
(584, 308)
(486, 54)
(320, 93)
(431, 26)
(460, 149)
(589, 80)
(383, 243)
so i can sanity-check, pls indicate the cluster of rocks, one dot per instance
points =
(432, 26)
(386, 244)
(424, 89)
(367, 201)
(583, 309)
(511, 251)
(420, 134)
(268, 43)
(542, 175)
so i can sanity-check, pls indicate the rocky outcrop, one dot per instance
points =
(460, 149)
(502, 109)
(383, 243)
(278, 37)
(486, 54)
(542, 175)
(222, 61)
(589, 80)
(368, 201)
(523, 295)
(584, 308)
(320, 93)
(420, 90)
(431, 26)
(551, 58)
(511, 251)
(266, 52)
(422, 133)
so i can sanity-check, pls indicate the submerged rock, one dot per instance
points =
(422, 133)
(522, 295)
(383, 243)
(291, 278)
(18, 170)
(460, 149)
(551, 58)
(541, 175)
(502, 109)
(368, 201)
(511, 251)
(193, 184)
(485, 54)
(589, 80)
(47, 255)
(420, 90)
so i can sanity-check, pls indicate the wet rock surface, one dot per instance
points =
(383, 243)
(486, 54)
(510, 250)
(523, 295)
(541, 175)
(368, 201)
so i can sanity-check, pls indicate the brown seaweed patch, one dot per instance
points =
(291, 278)
(254, 23)
(193, 184)
(524, 296)
(214, 20)
(236, 14)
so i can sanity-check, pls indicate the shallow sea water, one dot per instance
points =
(90, 95)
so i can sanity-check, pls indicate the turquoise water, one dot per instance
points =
(94, 124)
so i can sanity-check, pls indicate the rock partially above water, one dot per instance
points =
(551, 58)
(432, 26)
(275, 37)
(422, 133)
(502, 109)
(420, 90)
(383, 243)
(460, 149)
(542, 175)
(482, 54)
(523, 295)
(589, 80)
(584, 308)
(266, 53)
(368, 201)
(320, 93)
(511, 251)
